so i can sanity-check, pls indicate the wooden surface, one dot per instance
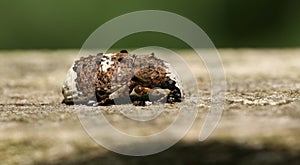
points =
(260, 124)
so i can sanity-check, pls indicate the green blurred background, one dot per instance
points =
(63, 24)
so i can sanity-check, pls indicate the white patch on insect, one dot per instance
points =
(70, 91)
(69, 87)
(107, 62)
(148, 103)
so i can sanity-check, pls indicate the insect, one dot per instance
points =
(122, 78)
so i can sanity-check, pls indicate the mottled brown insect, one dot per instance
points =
(121, 78)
